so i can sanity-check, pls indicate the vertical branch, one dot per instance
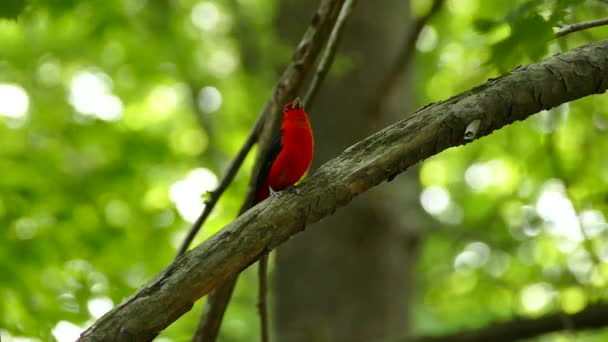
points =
(262, 302)
(399, 69)
(328, 54)
(306, 53)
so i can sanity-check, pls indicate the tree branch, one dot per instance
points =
(567, 29)
(594, 316)
(329, 53)
(233, 168)
(382, 156)
(262, 302)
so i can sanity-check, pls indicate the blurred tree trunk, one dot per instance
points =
(349, 277)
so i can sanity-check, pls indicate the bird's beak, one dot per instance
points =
(297, 103)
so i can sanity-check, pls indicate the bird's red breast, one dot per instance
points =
(290, 153)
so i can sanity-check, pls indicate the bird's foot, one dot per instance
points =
(272, 192)
(290, 189)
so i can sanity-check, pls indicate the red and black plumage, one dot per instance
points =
(290, 153)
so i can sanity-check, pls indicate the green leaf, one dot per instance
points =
(10, 9)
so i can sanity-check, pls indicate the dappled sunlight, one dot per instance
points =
(187, 194)
(463, 8)
(14, 101)
(117, 213)
(205, 15)
(580, 265)
(498, 263)
(474, 256)
(427, 41)
(189, 141)
(65, 331)
(573, 299)
(49, 72)
(162, 100)
(98, 306)
(500, 174)
(26, 228)
(536, 298)
(593, 222)
(222, 62)
(91, 95)
(434, 171)
(435, 199)
(555, 208)
(209, 99)
(162, 103)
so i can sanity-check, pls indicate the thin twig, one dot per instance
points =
(262, 302)
(329, 53)
(321, 71)
(567, 29)
(402, 62)
(232, 170)
(306, 53)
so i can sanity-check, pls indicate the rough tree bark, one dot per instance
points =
(318, 288)
(382, 156)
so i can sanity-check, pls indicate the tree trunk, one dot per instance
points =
(348, 278)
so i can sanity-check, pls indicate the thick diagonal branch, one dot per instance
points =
(380, 157)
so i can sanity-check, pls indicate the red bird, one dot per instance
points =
(290, 152)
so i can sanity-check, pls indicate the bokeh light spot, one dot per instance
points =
(90, 94)
(427, 41)
(14, 101)
(187, 193)
(205, 15)
(99, 306)
(555, 208)
(535, 298)
(66, 331)
(209, 99)
(435, 199)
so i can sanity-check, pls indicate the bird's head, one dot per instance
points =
(295, 105)
(293, 113)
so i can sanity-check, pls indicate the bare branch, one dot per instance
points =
(329, 53)
(499, 102)
(262, 303)
(213, 314)
(306, 53)
(594, 316)
(567, 29)
(233, 168)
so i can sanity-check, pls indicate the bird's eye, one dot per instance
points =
(285, 110)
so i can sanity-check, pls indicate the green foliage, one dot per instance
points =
(102, 145)
(10, 9)
(117, 116)
(520, 215)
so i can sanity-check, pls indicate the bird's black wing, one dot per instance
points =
(275, 148)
